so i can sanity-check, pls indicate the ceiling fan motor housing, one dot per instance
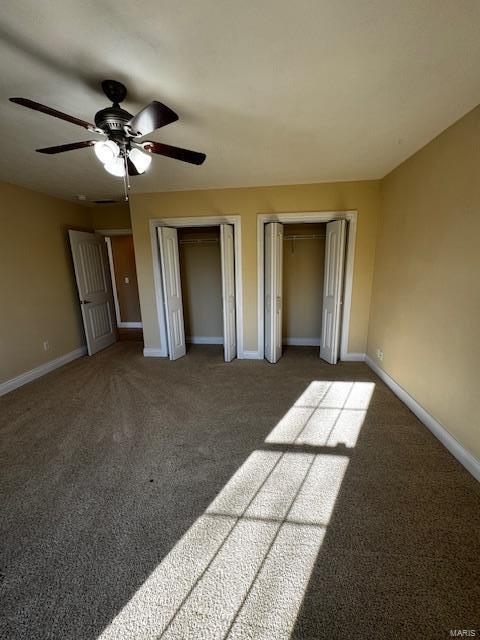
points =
(113, 120)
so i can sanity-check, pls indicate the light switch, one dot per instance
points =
(127, 280)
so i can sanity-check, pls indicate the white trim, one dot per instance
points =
(250, 355)
(114, 232)
(465, 457)
(197, 221)
(130, 325)
(353, 357)
(205, 340)
(41, 370)
(148, 352)
(116, 304)
(298, 217)
(302, 342)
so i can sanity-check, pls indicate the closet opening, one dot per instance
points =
(201, 277)
(303, 285)
(199, 287)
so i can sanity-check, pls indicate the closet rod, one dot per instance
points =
(305, 237)
(195, 241)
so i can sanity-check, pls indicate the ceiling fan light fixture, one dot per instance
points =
(106, 150)
(140, 159)
(116, 167)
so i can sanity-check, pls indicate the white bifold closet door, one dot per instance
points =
(172, 292)
(227, 254)
(273, 290)
(94, 285)
(332, 290)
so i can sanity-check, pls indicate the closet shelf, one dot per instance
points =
(195, 241)
(304, 237)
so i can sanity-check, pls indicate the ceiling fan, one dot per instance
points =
(122, 152)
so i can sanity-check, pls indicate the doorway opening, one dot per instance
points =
(123, 272)
(105, 273)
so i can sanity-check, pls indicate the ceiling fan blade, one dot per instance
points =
(153, 116)
(67, 147)
(132, 170)
(194, 157)
(36, 106)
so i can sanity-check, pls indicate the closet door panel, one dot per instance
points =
(227, 253)
(172, 292)
(273, 290)
(332, 290)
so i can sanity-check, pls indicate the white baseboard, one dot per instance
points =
(465, 457)
(353, 357)
(249, 355)
(205, 340)
(130, 325)
(149, 352)
(302, 342)
(41, 370)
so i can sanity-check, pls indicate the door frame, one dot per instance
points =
(299, 217)
(195, 221)
(108, 233)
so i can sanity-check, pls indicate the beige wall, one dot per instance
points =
(124, 265)
(425, 312)
(201, 283)
(303, 270)
(111, 216)
(37, 287)
(248, 202)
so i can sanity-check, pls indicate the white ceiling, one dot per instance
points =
(274, 91)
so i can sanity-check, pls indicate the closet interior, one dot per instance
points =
(199, 287)
(303, 275)
(201, 276)
(303, 287)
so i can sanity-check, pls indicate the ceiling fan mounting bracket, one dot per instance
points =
(115, 91)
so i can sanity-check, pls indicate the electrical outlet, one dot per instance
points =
(379, 354)
(46, 345)
(127, 280)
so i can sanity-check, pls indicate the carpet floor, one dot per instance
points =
(142, 498)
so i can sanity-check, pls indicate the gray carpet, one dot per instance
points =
(147, 499)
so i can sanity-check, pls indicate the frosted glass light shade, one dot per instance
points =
(140, 159)
(106, 150)
(116, 167)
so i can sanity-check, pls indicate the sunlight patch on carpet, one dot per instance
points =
(242, 569)
(327, 414)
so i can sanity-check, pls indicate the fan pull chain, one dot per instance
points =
(126, 178)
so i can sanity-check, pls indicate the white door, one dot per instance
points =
(92, 273)
(172, 292)
(227, 254)
(332, 290)
(273, 290)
